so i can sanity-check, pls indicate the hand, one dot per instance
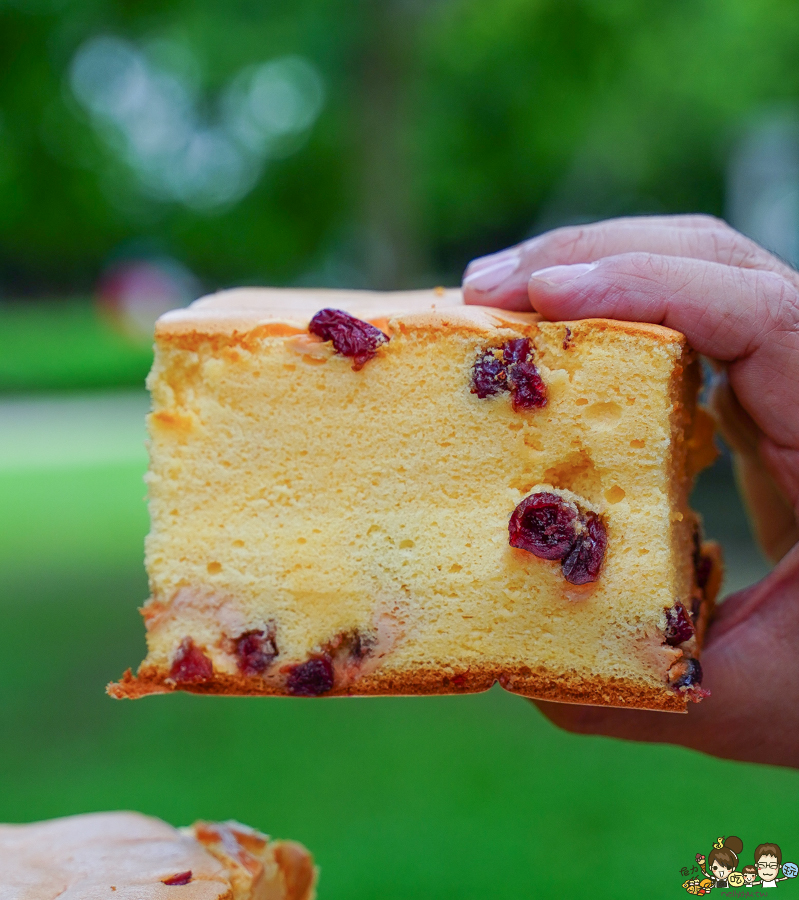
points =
(738, 305)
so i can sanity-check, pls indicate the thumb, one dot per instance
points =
(749, 317)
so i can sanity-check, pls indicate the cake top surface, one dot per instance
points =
(124, 855)
(285, 311)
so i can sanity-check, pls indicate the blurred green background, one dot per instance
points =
(151, 151)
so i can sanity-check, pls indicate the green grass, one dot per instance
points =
(467, 797)
(65, 345)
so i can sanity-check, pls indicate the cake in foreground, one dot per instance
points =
(418, 497)
(128, 855)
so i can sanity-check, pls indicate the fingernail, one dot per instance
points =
(491, 277)
(562, 274)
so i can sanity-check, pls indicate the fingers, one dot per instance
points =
(748, 317)
(500, 279)
(771, 506)
(724, 312)
(753, 711)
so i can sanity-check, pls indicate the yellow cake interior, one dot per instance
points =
(289, 492)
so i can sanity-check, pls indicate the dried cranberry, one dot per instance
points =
(552, 528)
(543, 524)
(180, 878)
(528, 390)
(255, 651)
(350, 336)
(679, 627)
(567, 338)
(513, 371)
(584, 560)
(516, 351)
(190, 664)
(488, 376)
(691, 676)
(311, 678)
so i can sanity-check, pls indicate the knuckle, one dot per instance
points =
(778, 299)
(572, 240)
(651, 266)
(705, 220)
(733, 249)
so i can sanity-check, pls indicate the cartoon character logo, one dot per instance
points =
(768, 860)
(697, 887)
(720, 868)
(722, 860)
(749, 875)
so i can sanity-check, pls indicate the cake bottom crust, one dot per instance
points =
(537, 684)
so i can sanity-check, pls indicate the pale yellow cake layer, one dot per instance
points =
(289, 491)
(136, 857)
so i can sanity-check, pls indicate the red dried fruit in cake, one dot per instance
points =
(544, 525)
(350, 336)
(516, 351)
(180, 878)
(488, 376)
(686, 674)
(527, 390)
(256, 651)
(190, 665)
(311, 678)
(513, 371)
(679, 627)
(584, 560)
(550, 527)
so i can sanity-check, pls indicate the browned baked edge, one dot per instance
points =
(537, 683)
(210, 336)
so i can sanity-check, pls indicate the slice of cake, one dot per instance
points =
(128, 855)
(357, 493)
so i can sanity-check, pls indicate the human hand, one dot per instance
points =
(738, 305)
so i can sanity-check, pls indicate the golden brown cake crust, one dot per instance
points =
(541, 685)
(244, 316)
(536, 684)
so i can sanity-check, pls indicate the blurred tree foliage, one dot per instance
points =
(449, 128)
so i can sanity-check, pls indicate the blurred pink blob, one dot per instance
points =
(132, 294)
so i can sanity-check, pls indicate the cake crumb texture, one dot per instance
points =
(323, 531)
